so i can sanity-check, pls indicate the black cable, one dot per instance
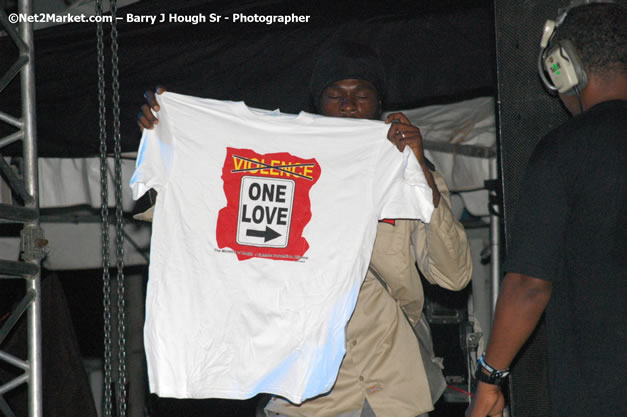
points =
(576, 89)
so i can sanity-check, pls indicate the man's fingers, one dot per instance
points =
(393, 132)
(143, 123)
(401, 136)
(148, 114)
(140, 116)
(397, 117)
(408, 138)
(151, 100)
(410, 135)
(146, 119)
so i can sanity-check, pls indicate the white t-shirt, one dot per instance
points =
(262, 234)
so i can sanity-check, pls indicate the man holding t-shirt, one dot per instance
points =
(382, 373)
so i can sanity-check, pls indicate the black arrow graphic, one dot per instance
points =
(267, 234)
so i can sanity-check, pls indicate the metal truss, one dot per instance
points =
(24, 210)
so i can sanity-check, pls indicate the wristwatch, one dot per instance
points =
(495, 376)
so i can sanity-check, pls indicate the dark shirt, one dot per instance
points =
(571, 229)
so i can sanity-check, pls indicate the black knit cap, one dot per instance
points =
(346, 60)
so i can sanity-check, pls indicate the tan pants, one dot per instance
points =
(365, 412)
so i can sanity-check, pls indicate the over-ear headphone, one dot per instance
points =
(560, 59)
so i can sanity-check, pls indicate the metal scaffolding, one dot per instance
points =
(24, 210)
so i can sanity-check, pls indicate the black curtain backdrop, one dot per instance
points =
(433, 52)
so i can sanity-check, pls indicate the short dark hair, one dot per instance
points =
(599, 33)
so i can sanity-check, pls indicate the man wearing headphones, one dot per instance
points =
(569, 240)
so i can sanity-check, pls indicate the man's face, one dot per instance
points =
(350, 98)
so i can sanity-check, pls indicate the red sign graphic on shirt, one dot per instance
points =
(268, 204)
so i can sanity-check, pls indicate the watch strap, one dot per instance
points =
(493, 375)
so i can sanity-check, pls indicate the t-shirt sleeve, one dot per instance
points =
(154, 156)
(537, 239)
(400, 189)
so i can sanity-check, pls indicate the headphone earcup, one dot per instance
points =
(577, 66)
(564, 66)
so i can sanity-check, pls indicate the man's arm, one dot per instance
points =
(441, 246)
(520, 305)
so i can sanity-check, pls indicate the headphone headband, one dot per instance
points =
(562, 12)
